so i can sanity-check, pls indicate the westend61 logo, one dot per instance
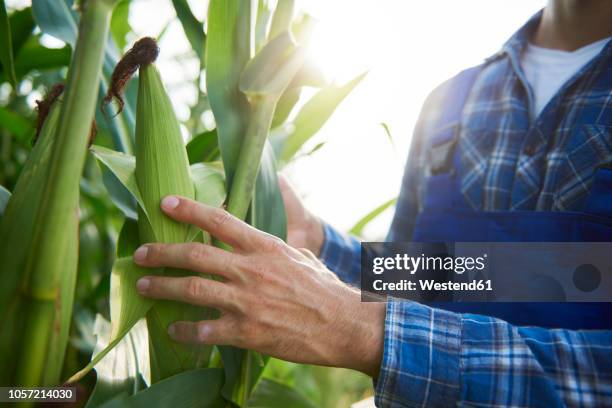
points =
(414, 264)
(487, 271)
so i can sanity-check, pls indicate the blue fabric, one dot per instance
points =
(436, 358)
(508, 167)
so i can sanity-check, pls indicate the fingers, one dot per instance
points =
(221, 225)
(220, 331)
(192, 256)
(190, 289)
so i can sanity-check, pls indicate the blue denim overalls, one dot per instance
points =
(446, 217)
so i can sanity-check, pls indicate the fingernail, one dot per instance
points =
(169, 203)
(143, 284)
(141, 253)
(171, 330)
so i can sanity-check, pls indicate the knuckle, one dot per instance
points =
(202, 335)
(193, 288)
(196, 253)
(227, 262)
(185, 208)
(259, 270)
(273, 244)
(248, 332)
(307, 252)
(220, 217)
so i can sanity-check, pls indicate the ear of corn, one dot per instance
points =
(157, 131)
(160, 168)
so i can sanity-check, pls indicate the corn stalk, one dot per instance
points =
(39, 262)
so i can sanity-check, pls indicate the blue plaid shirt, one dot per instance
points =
(438, 358)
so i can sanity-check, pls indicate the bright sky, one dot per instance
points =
(408, 47)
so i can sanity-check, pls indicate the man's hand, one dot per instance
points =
(274, 299)
(304, 230)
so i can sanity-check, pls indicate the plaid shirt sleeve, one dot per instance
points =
(341, 253)
(436, 358)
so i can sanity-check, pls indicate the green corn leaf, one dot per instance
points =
(193, 28)
(273, 68)
(209, 183)
(310, 74)
(129, 239)
(123, 167)
(207, 177)
(34, 56)
(16, 125)
(313, 116)
(57, 19)
(357, 229)
(264, 16)
(120, 25)
(272, 394)
(127, 306)
(119, 194)
(125, 369)
(6, 45)
(5, 195)
(268, 207)
(197, 388)
(227, 52)
(285, 105)
(282, 18)
(203, 147)
(22, 24)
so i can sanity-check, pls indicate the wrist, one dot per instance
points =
(362, 342)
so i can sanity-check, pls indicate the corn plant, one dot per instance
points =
(256, 66)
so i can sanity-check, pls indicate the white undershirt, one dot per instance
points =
(547, 69)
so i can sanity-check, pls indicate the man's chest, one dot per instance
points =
(510, 161)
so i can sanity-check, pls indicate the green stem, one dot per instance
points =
(241, 194)
(243, 185)
(59, 203)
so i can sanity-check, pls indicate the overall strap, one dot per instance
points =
(441, 146)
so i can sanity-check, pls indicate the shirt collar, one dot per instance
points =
(515, 44)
